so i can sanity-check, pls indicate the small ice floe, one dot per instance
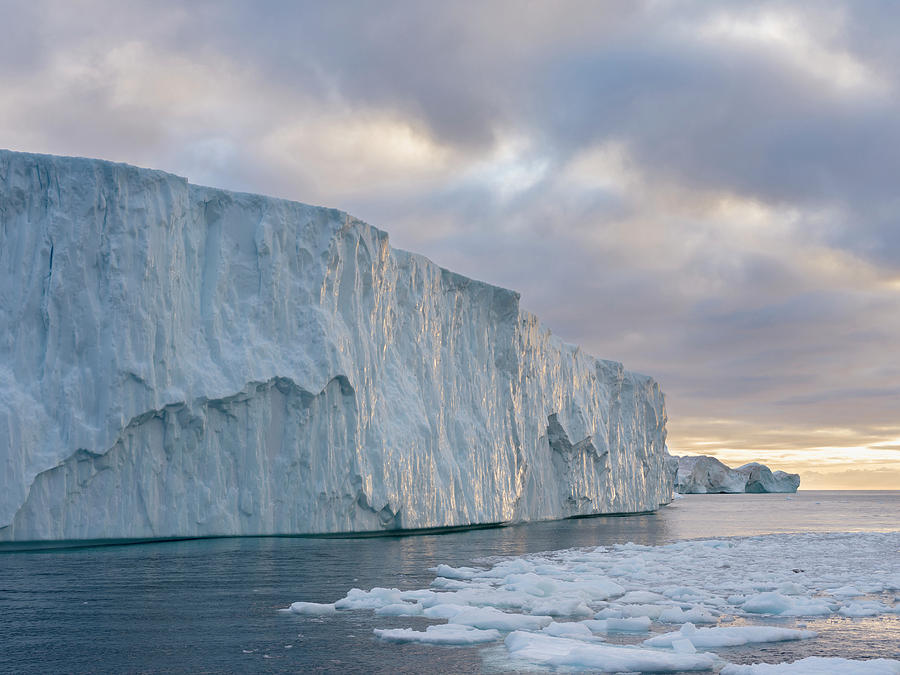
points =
(602, 657)
(818, 665)
(728, 636)
(683, 646)
(846, 592)
(488, 617)
(692, 615)
(463, 573)
(400, 609)
(570, 629)
(790, 588)
(783, 605)
(641, 597)
(639, 624)
(865, 608)
(442, 634)
(312, 608)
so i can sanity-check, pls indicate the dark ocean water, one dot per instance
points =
(210, 606)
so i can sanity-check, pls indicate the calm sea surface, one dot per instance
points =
(211, 605)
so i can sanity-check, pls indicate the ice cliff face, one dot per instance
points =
(701, 474)
(177, 360)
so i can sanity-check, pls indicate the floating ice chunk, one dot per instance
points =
(640, 624)
(444, 610)
(771, 602)
(488, 617)
(865, 608)
(357, 598)
(570, 629)
(506, 567)
(442, 634)
(684, 646)
(652, 611)
(400, 609)
(532, 584)
(817, 665)
(568, 607)
(600, 657)
(846, 592)
(686, 594)
(872, 587)
(449, 584)
(464, 573)
(544, 585)
(313, 608)
(729, 636)
(422, 595)
(641, 597)
(693, 615)
(790, 588)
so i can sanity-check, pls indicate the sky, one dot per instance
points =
(707, 192)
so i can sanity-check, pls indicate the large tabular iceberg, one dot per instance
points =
(177, 360)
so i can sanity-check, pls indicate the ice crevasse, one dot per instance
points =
(177, 360)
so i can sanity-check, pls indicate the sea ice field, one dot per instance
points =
(515, 597)
(593, 608)
(677, 607)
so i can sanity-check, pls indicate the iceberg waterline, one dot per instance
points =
(179, 360)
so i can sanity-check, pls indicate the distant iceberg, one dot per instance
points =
(701, 474)
(183, 361)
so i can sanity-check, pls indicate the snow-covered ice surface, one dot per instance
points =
(592, 608)
(179, 361)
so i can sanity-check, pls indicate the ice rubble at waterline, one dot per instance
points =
(180, 361)
(569, 608)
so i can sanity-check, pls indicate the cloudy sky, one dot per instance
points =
(705, 191)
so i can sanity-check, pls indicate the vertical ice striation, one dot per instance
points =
(177, 360)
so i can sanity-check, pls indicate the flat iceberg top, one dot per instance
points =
(583, 608)
(86, 165)
(177, 344)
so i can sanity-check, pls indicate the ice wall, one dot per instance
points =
(177, 360)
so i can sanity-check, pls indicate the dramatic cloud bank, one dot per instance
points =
(706, 192)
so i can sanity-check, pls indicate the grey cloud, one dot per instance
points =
(729, 331)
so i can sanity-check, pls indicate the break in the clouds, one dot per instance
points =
(705, 191)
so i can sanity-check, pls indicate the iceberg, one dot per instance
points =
(181, 361)
(701, 474)
(762, 479)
